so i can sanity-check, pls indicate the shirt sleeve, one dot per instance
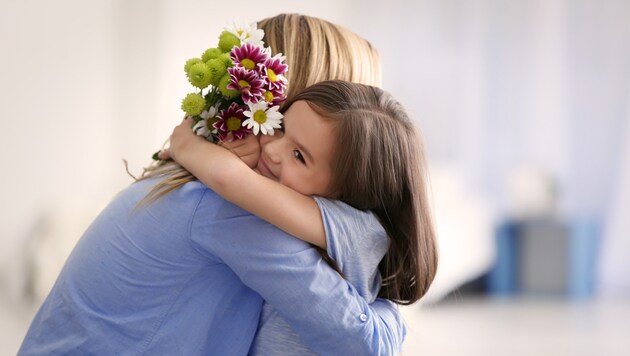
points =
(356, 240)
(325, 310)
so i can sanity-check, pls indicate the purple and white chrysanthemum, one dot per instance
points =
(247, 82)
(231, 120)
(273, 70)
(274, 97)
(205, 126)
(262, 118)
(249, 56)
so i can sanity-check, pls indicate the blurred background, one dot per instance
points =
(524, 107)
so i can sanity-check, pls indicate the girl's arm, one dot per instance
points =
(235, 181)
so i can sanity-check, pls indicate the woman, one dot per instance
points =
(187, 274)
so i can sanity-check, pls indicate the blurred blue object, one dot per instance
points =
(502, 278)
(584, 250)
(545, 258)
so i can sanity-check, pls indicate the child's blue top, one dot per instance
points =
(187, 275)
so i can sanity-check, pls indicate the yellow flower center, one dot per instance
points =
(260, 117)
(240, 33)
(272, 75)
(233, 123)
(268, 96)
(243, 84)
(248, 63)
(210, 123)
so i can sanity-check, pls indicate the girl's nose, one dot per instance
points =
(271, 147)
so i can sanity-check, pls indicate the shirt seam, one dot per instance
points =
(194, 244)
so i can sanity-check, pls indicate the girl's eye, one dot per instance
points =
(298, 155)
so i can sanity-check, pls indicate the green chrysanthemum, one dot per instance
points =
(218, 69)
(211, 53)
(225, 57)
(190, 62)
(227, 40)
(193, 104)
(199, 75)
(229, 93)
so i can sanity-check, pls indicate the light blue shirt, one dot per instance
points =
(357, 242)
(178, 278)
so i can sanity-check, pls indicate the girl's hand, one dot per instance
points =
(247, 149)
(182, 139)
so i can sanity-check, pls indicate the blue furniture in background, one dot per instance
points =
(545, 258)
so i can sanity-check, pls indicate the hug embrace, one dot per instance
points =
(301, 241)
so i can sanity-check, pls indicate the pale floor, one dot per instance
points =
(526, 326)
(469, 326)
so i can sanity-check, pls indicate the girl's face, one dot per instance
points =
(301, 157)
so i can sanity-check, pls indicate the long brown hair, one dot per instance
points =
(379, 166)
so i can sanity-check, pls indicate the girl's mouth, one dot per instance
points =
(264, 169)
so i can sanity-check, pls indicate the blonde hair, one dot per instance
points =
(315, 50)
(318, 50)
(379, 165)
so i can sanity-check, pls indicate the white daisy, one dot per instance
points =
(263, 119)
(204, 127)
(247, 33)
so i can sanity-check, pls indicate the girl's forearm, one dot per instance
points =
(213, 165)
(226, 174)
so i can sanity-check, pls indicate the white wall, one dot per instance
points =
(57, 94)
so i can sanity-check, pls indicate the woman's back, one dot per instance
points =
(136, 276)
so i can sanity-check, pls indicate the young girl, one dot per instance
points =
(349, 142)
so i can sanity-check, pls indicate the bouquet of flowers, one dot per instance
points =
(240, 86)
